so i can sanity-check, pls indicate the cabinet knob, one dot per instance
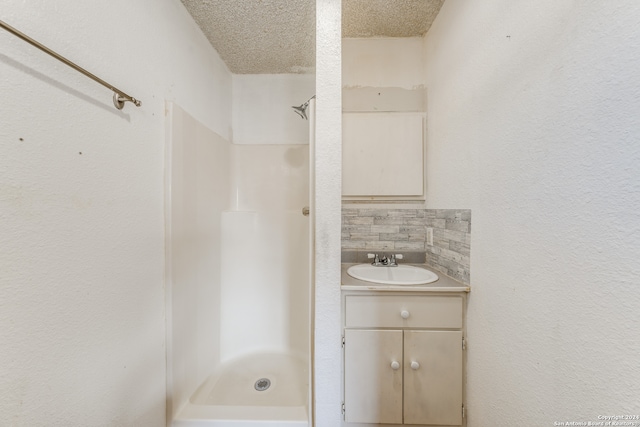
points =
(415, 365)
(395, 365)
(405, 314)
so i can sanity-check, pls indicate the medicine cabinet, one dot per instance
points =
(383, 156)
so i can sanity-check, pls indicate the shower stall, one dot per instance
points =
(239, 288)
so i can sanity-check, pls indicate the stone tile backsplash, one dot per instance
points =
(386, 231)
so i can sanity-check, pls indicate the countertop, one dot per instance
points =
(443, 284)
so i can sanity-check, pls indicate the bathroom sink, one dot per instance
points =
(400, 275)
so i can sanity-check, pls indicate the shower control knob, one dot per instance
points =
(395, 365)
(415, 365)
(405, 314)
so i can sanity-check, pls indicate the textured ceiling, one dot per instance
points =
(388, 18)
(278, 36)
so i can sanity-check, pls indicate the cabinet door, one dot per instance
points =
(372, 382)
(383, 155)
(433, 377)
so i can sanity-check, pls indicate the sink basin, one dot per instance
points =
(400, 275)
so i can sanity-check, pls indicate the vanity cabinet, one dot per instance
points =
(403, 359)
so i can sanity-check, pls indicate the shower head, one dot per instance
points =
(302, 110)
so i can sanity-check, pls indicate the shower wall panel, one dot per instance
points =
(265, 286)
(197, 163)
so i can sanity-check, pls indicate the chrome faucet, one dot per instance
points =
(384, 261)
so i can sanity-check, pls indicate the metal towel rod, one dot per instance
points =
(119, 97)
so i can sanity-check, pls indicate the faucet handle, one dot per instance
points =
(392, 261)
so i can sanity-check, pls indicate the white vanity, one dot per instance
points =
(404, 352)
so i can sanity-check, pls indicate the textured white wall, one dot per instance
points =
(534, 117)
(328, 159)
(262, 112)
(81, 205)
(383, 62)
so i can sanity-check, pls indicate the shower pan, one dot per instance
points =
(240, 280)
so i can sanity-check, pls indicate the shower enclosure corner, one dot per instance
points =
(239, 253)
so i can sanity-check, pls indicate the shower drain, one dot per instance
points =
(262, 384)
